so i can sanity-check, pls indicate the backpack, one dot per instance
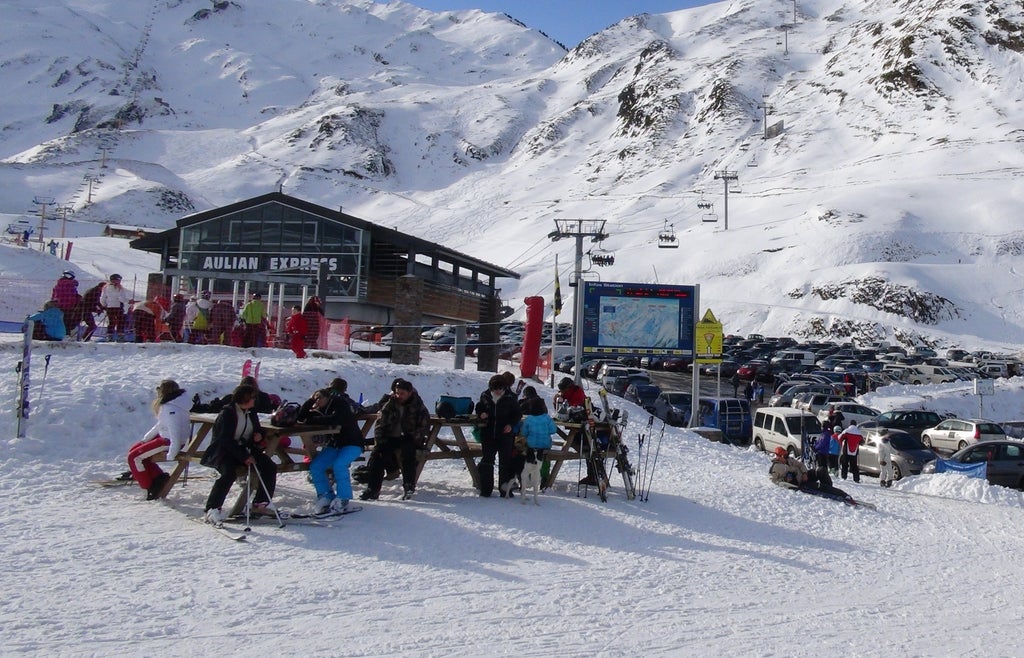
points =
(202, 320)
(285, 415)
(449, 407)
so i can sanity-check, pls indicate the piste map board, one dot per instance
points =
(637, 319)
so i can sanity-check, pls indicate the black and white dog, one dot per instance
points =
(530, 476)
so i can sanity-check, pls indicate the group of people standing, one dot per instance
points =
(198, 321)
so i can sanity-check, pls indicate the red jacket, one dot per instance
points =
(851, 438)
(296, 326)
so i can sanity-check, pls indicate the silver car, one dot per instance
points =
(958, 433)
(909, 455)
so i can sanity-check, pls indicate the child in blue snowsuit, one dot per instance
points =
(52, 320)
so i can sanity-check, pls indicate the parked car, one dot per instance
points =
(783, 427)
(957, 433)
(912, 421)
(609, 373)
(565, 363)
(1005, 461)
(851, 411)
(618, 385)
(643, 395)
(758, 369)
(676, 364)
(785, 399)
(909, 455)
(813, 402)
(673, 407)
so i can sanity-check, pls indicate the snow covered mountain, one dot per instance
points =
(884, 207)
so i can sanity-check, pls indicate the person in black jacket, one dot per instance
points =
(498, 410)
(238, 441)
(337, 452)
(404, 425)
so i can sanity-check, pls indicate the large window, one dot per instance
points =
(279, 240)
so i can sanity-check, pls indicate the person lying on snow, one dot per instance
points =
(789, 471)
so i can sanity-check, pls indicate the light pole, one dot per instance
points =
(726, 176)
(578, 229)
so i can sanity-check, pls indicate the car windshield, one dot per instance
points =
(905, 442)
(678, 398)
(990, 428)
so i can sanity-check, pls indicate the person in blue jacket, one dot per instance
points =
(49, 322)
(337, 452)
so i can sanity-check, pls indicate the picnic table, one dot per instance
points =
(446, 439)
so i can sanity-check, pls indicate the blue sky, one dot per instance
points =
(566, 21)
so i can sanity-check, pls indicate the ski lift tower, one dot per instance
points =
(727, 176)
(578, 229)
(42, 202)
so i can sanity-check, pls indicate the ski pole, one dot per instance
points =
(654, 464)
(259, 476)
(248, 499)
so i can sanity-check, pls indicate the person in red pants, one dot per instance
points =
(296, 329)
(169, 434)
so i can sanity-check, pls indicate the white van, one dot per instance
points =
(805, 357)
(924, 374)
(783, 426)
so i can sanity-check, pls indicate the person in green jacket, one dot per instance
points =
(254, 315)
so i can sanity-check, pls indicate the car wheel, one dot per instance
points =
(961, 445)
(927, 441)
(897, 474)
(759, 444)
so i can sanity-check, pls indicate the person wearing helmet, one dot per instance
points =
(115, 299)
(833, 451)
(849, 442)
(786, 469)
(65, 293)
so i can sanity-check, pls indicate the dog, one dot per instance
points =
(530, 475)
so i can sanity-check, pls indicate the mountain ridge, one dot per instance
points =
(899, 161)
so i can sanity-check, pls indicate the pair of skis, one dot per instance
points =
(323, 520)
(622, 465)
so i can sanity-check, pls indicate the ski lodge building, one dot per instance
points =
(288, 250)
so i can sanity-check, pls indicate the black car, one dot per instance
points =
(1005, 461)
(643, 394)
(911, 421)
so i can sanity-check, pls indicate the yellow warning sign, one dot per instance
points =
(708, 341)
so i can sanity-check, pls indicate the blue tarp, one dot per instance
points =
(977, 470)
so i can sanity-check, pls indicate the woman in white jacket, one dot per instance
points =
(170, 433)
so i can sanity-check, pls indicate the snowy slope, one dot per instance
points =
(717, 562)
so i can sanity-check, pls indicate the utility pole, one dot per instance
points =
(726, 176)
(785, 33)
(578, 229)
(766, 106)
(42, 202)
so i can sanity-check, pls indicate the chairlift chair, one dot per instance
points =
(601, 258)
(667, 238)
